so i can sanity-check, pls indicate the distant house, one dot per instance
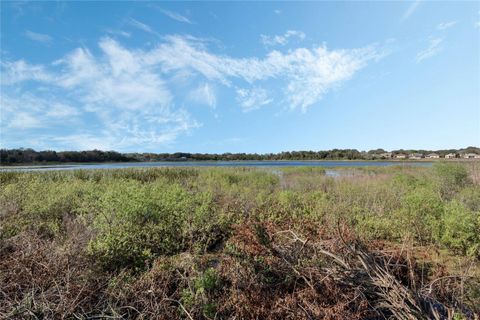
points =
(471, 156)
(450, 156)
(400, 156)
(415, 156)
(432, 156)
(386, 155)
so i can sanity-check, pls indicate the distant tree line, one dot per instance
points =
(23, 156)
(17, 156)
(349, 154)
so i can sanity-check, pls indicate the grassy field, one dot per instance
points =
(243, 243)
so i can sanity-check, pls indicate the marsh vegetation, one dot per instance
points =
(244, 243)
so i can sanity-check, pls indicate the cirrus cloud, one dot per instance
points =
(39, 37)
(124, 98)
(446, 25)
(281, 39)
(251, 99)
(434, 48)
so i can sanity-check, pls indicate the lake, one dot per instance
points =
(121, 165)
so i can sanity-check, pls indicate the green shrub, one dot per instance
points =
(136, 222)
(209, 310)
(420, 215)
(470, 197)
(42, 205)
(461, 229)
(415, 213)
(208, 281)
(403, 179)
(204, 225)
(378, 227)
(199, 294)
(450, 178)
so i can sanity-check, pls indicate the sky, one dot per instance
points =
(258, 77)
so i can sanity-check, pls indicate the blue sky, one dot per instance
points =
(239, 76)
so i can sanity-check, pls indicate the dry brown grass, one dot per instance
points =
(264, 271)
(39, 279)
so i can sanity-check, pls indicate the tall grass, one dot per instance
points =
(129, 221)
(186, 203)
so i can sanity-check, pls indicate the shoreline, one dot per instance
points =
(72, 164)
(231, 163)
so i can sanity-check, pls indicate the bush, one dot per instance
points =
(450, 178)
(470, 197)
(42, 205)
(199, 295)
(207, 281)
(420, 215)
(461, 229)
(137, 222)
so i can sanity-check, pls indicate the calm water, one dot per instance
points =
(331, 164)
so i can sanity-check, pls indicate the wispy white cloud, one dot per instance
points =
(119, 33)
(446, 25)
(19, 71)
(309, 73)
(281, 39)
(39, 37)
(124, 97)
(410, 10)
(141, 26)
(434, 48)
(127, 95)
(435, 43)
(252, 99)
(174, 15)
(128, 100)
(277, 11)
(204, 94)
(29, 110)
